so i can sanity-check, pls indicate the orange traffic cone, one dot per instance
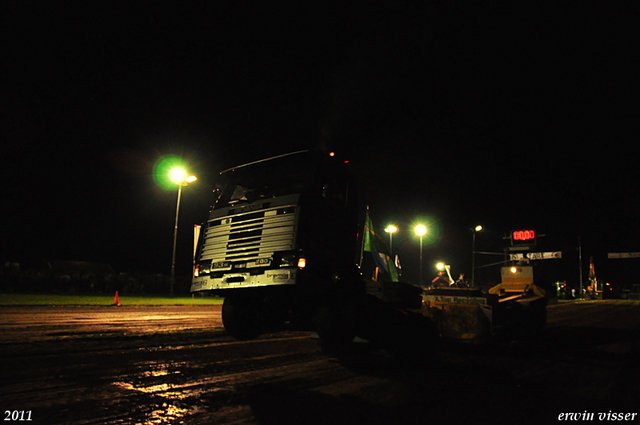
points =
(116, 301)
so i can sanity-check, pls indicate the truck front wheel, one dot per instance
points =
(241, 318)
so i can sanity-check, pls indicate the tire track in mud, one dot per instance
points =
(137, 379)
(201, 376)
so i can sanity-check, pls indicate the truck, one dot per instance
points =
(281, 244)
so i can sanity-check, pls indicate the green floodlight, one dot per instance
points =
(165, 172)
(420, 230)
(391, 229)
(177, 175)
(427, 229)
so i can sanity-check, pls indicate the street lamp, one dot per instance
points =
(391, 229)
(179, 177)
(420, 230)
(473, 256)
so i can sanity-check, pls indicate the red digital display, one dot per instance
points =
(523, 237)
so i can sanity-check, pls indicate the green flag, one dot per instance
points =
(374, 244)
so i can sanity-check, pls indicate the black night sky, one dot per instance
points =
(507, 114)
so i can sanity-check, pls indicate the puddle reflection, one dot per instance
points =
(165, 412)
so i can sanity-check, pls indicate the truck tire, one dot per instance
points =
(242, 318)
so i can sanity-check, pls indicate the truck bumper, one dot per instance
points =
(284, 276)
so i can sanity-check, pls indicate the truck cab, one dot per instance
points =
(280, 237)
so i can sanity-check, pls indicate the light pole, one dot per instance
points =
(473, 256)
(420, 230)
(179, 177)
(391, 229)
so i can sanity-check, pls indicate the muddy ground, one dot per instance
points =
(157, 365)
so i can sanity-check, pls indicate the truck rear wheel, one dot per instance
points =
(241, 318)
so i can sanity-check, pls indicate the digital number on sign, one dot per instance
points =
(17, 415)
(524, 235)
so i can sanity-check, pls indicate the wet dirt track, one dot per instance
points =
(40, 323)
(153, 365)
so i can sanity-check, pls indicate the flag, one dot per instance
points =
(398, 266)
(372, 241)
(374, 244)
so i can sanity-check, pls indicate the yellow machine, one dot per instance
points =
(515, 306)
(458, 313)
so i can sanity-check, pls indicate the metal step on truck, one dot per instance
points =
(281, 244)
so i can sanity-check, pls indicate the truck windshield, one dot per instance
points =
(267, 179)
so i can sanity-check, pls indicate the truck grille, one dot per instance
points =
(250, 236)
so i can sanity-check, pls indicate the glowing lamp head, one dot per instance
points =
(440, 266)
(391, 229)
(177, 175)
(420, 230)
